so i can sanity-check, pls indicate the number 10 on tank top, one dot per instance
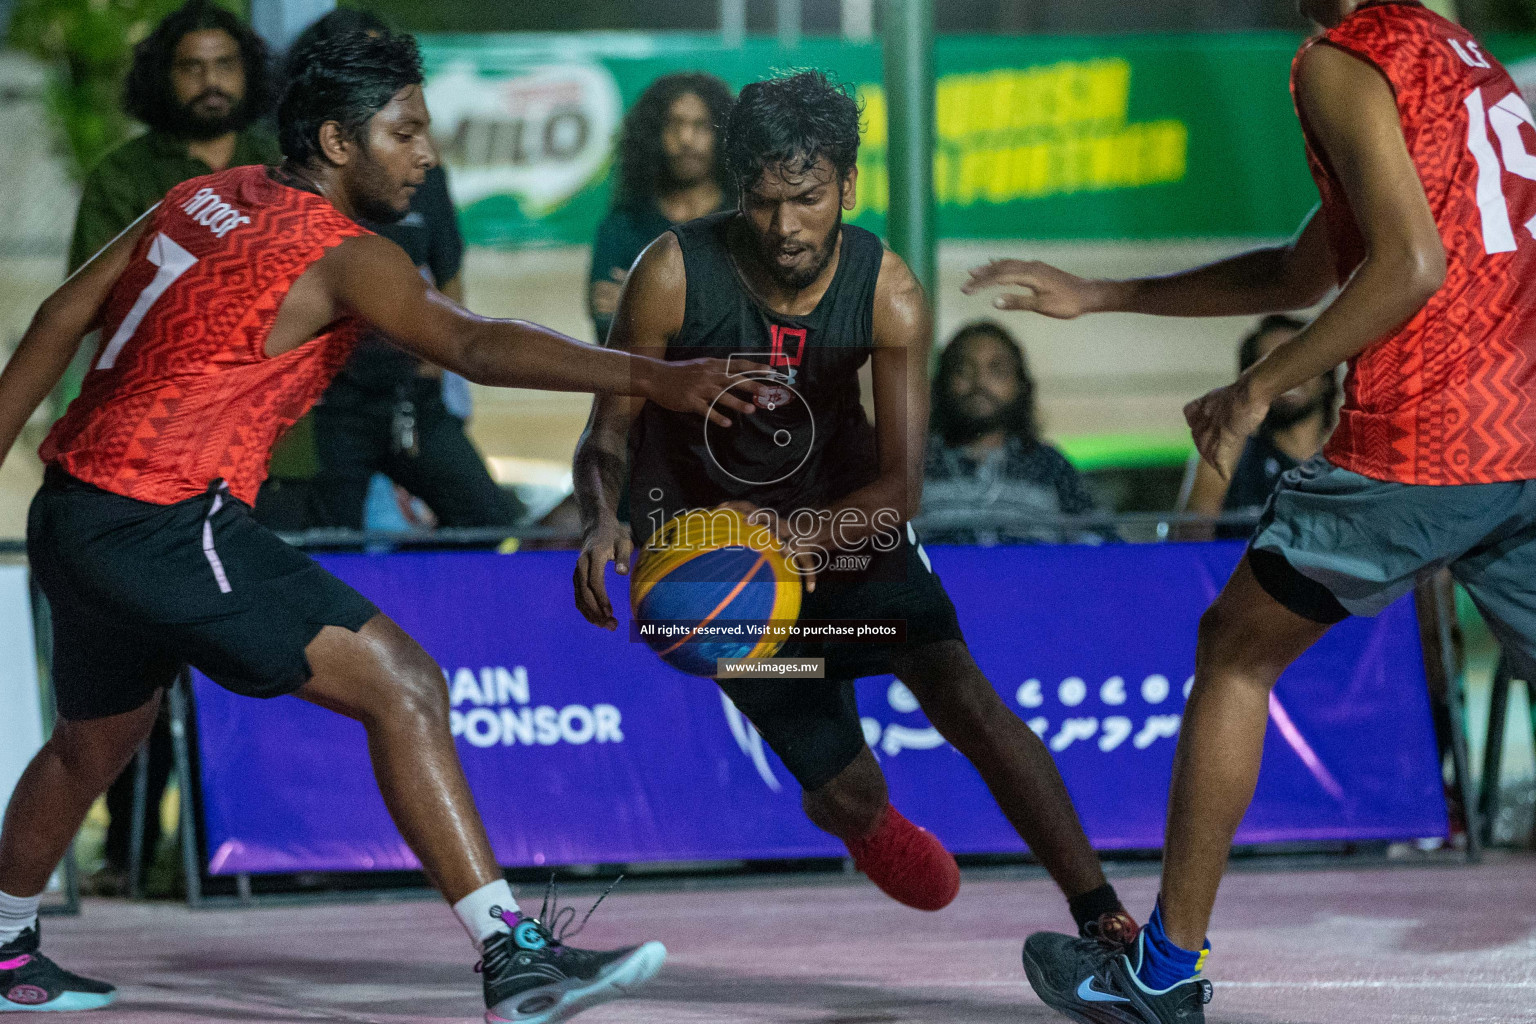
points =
(173, 261)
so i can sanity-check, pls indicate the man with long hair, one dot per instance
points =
(669, 171)
(985, 452)
(223, 314)
(199, 81)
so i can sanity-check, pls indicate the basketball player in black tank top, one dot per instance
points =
(782, 281)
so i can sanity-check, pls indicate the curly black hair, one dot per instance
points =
(791, 121)
(339, 22)
(642, 166)
(347, 79)
(1022, 417)
(147, 92)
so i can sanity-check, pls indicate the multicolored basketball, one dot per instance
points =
(705, 572)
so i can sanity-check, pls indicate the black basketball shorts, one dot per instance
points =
(138, 590)
(813, 724)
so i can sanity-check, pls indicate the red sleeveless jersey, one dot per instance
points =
(1450, 398)
(182, 392)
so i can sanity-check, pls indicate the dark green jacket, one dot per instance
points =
(137, 175)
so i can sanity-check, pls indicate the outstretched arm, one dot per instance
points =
(649, 314)
(61, 321)
(372, 278)
(1351, 110)
(1291, 276)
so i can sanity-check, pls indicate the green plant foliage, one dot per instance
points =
(89, 46)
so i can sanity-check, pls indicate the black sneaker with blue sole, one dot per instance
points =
(1095, 983)
(32, 983)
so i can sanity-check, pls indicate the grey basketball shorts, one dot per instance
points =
(1333, 543)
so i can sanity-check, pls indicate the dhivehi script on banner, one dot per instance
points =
(583, 747)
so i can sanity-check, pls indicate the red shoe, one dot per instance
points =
(908, 863)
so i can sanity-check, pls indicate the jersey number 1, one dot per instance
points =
(1506, 116)
(173, 261)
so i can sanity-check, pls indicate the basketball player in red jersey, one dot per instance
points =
(1422, 151)
(224, 312)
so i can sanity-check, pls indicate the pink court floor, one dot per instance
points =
(1375, 944)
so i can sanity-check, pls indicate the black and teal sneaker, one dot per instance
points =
(1095, 983)
(31, 982)
(533, 977)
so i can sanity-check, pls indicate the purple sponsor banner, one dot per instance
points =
(582, 747)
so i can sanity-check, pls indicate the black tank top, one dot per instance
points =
(816, 444)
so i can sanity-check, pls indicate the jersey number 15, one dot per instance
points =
(1506, 117)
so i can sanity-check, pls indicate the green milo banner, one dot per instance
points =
(1115, 137)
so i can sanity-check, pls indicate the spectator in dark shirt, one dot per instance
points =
(669, 171)
(985, 453)
(199, 82)
(1296, 428)
(385, 411)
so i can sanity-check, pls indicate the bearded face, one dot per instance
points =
(207, 86)
(795, 215)
(985, 389)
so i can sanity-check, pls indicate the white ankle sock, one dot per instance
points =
(480, 911)
(17, 914)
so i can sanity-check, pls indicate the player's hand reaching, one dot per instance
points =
(607, 542)
(709, 387)
(1043, 288)
(1221, 422)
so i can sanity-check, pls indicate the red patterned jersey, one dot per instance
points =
(1449, 398)
(182, 392)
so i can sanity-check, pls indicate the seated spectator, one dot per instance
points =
(985, 454)
(1296, 428)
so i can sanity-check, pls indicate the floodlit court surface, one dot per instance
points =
(1369, 944)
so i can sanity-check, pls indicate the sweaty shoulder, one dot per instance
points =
(654, 299)
(1419, 52)
(1329, 72)
(660, 265)
(901, 308)
(364, 270)
(364, 251)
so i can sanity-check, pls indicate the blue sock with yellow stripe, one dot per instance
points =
(1163, 964)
